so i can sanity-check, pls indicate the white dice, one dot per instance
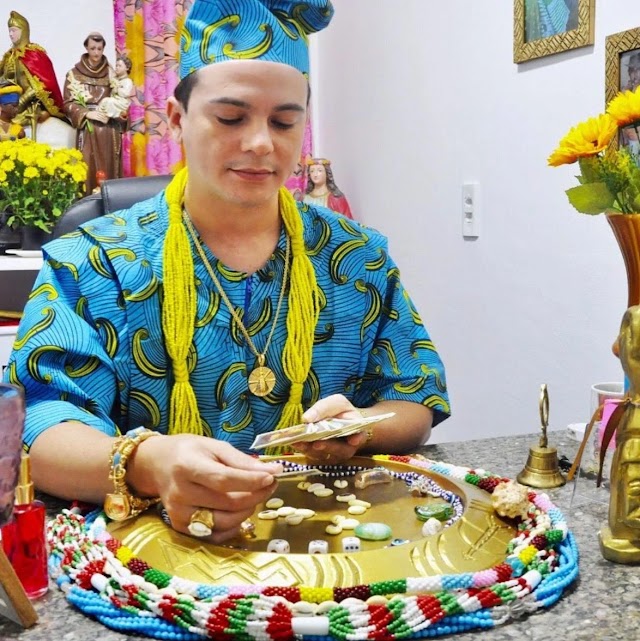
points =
(318, 546)
(279, 546)
(351, 544)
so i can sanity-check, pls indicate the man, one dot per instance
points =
(217, 308)
(27, 65)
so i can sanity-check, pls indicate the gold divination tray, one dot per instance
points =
(476, 541)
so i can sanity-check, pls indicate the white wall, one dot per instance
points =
(61, 27)
(414, 98)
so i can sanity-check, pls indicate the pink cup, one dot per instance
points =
(610, 405)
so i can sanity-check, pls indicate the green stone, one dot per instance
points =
(373, 531)
(441, 512)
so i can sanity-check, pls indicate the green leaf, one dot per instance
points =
(590, 169)
(593, 198)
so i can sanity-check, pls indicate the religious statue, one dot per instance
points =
(620, 538)
(99, 133)
(27, 65)
(322, 189)
(117, 104)
(9, 97)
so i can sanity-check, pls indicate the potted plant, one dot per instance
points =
(37, 184)
(609, 179)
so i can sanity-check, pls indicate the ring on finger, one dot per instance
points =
(201, 522)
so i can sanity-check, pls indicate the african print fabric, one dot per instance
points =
(90, 346)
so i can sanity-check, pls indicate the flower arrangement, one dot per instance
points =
(609, 179)
(38, 183)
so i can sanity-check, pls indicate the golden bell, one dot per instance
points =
(541, 469)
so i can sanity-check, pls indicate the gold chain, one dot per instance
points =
(262, 380)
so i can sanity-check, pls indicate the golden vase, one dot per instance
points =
(626, 228)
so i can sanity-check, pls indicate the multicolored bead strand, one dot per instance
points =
(104, 579)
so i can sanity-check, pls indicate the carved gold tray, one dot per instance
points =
(476, 541)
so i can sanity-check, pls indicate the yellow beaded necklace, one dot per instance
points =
(262, 380)
(179, 312)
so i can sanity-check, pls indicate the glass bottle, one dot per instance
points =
(24, 539)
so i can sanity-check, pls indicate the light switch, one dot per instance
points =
(471, 210)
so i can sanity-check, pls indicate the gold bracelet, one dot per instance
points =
(121, 504)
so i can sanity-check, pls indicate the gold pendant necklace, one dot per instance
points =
(262, 380)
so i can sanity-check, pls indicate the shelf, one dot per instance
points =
(20, 263)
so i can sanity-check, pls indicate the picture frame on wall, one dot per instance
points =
(622, 73)
(544, 27)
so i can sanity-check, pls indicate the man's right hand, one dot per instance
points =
(190, 472)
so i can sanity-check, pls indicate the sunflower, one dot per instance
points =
(586, 139)
(625, 107)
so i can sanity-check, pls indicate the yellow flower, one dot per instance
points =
(586, 139)
(37, 182)
(625, 107)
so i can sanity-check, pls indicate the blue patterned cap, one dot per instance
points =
(271, 30)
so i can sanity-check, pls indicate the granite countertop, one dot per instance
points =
(601, 606)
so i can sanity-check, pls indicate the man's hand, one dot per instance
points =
(335, 450)
(190, 472)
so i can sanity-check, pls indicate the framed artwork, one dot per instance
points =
(544, 27)
(622, 72)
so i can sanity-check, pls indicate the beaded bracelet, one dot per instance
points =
(121, 504)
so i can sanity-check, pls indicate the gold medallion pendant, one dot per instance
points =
(262, 380)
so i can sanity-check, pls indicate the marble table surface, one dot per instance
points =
(602, 606)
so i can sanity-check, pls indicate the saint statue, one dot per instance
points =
(99, 124)
(322, 189)
(27, 65)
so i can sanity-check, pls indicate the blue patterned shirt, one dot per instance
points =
(90, 347)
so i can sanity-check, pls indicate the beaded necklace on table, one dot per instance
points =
(104, 579)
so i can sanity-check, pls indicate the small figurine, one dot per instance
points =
(322, 189)
(620, 537)
(117, 104)
(9, 96)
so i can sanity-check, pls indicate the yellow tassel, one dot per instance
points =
(179, 311)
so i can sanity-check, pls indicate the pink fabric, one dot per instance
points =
(610, 405)
(149, 31)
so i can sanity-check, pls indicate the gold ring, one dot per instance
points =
(201, 522)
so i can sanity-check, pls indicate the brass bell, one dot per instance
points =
(541, 469)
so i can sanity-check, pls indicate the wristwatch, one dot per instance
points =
(121, 504)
